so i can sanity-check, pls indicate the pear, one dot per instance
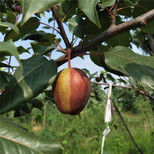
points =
(72, 90)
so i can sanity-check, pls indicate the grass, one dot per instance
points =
(84, 135)
(80, 135)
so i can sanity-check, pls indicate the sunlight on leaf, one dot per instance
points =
(139, 67)
(17, 139)
(89, 8)
(27, 82)
(31, 7)
(6, 24)
(8, 48)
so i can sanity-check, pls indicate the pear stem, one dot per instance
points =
(69, 58)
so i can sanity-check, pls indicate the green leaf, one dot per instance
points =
(7, 24)
(139, 67)
(127, 6)
(27, 108)
(107, 3)
(27, 82)
(5, 65)
(91, 30)
(149, 28)
(11, 17)
(44, 38)
(31, 25)
(14, 139)
(142, 7)
(8, 48)
(121, 39)
(98, 59)
(40, 49)
(110, 77)
(21, 50)
(31, 7)
(4, 78)
(76, 26)
(89, 8)
(66, 10)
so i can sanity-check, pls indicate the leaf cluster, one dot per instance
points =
(95, 23)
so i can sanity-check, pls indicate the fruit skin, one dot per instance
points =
(71, 90)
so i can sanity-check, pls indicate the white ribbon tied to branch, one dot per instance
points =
(107, 117)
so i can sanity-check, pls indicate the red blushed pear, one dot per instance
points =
(71, 90)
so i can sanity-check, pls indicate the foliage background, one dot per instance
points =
(84, 134)
(106, 30)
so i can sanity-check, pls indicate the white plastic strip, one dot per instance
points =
(107, 117)
(105, 133)
(108, 114)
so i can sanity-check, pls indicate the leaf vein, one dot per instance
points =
(20, 143)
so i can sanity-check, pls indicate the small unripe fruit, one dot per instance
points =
(71, 90)
(17, 8)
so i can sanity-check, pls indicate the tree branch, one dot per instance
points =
(109, 33)
(50, 27)
(115, 30)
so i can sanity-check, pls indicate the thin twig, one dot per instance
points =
(127, 87)
(50, 27)
(69, 58)
(53, 27)
(115, 8)
(60, 25)
(140, 151)
(114, 85)
(113, 13)
(9, 64)
(60, 47)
